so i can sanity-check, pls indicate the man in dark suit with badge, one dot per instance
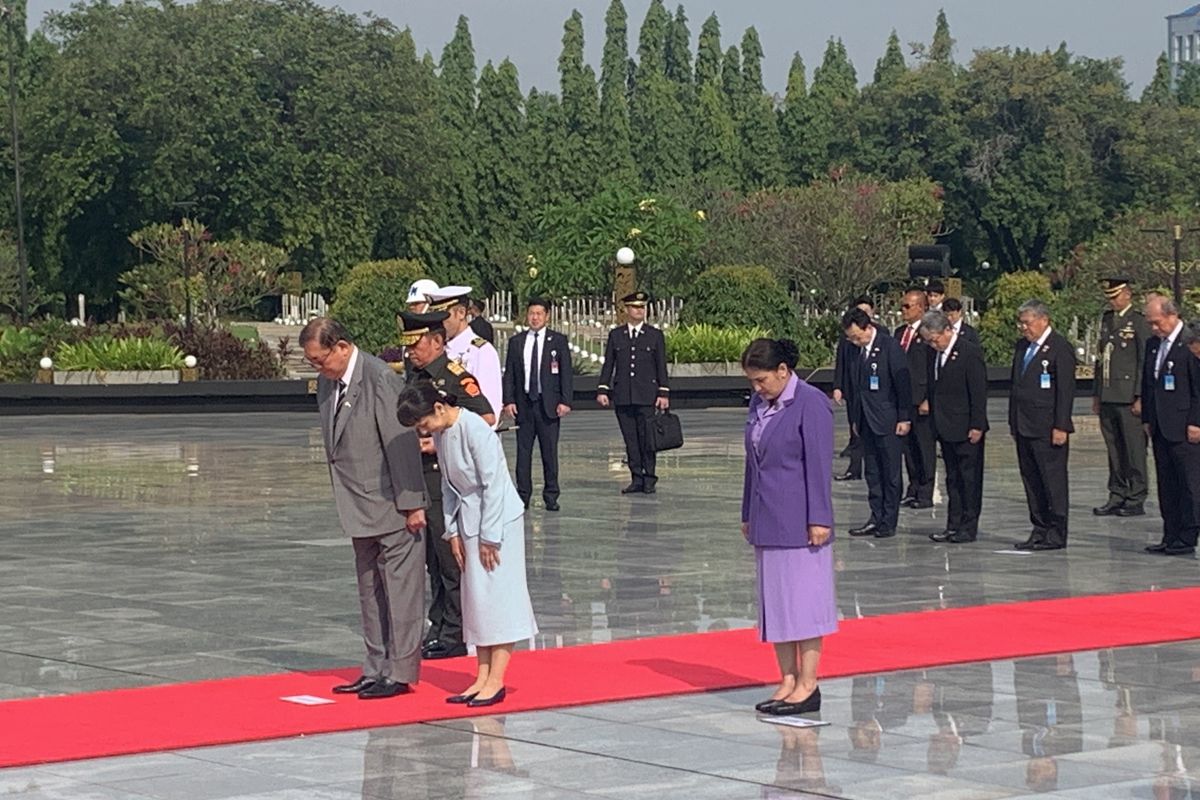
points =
(1116, 399)
(953, 308)
(920, 448)
(634, 381)
(1039, 417)
(538, 392)
(880, 411)
(958, 409)
(1171, 410)
(424, 340)
(844, 360)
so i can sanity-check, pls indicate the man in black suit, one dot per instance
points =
(538, 391)
(634, 381)
(880, 411)
(845, 355)
(958, 408)
(954, 310)
(1171, 411)
(1039, 417)
(920, 449)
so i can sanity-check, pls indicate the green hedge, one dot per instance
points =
(739, 297)
(135, 353)
(368, 301)
(998, 327)
(702, 343)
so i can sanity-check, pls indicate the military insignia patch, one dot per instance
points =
(470, 387)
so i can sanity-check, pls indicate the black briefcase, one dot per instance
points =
(665, 432)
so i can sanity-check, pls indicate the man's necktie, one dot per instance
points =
(1163, 348)
(341, 395)
(1030, 352)
(906, 339)
(535, 368)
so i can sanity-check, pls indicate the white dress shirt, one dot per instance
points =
(540, 335)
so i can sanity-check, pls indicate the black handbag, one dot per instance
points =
(666, 433)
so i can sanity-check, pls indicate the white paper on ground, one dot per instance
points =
(306, 700)
(794, 722)
(1013, 552)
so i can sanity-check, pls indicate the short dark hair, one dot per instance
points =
(952, 304)
(538, 301)
(477, 305)
(863, 300)
(935, 286)
(857, 317)
(770, 353)
(326, 331)
(417, 400)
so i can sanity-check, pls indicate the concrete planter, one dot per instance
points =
(115, 377)
(706, 369)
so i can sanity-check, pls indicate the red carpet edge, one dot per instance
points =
(183, 715)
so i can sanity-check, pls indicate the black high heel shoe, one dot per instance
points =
(461, 699)
(495, 699)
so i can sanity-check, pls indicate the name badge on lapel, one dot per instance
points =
(1045, 383)
(874, 380)
(1169, 378)
(553, 362)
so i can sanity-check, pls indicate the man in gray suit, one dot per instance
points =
(375, 469)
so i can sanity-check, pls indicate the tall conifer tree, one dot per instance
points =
(792, 121)
(758, 132)
(580, 113)
(708, 55)
(660, 137)
(616, 156)
(501, 176)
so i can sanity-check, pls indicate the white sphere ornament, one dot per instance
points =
(46, 362)
(625, 256)
(190, 362)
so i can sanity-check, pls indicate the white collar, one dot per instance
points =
(1045, 335)
(348, 375)
(1170, 340)
(636, 328)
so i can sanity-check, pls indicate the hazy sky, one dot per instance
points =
(529, 31)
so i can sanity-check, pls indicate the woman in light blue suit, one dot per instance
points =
(484, 518)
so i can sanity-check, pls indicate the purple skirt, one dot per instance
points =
(796, 597)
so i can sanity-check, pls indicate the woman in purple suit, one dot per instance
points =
(787, 514)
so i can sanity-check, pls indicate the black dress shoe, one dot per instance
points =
(1038, 547)
(962, 537)
(883, 533)
(847, 476)
(866, 530)
(552, 506)
(766, 705)
(461, 699)
(633, 488)
(808, 705)
(1179, 550)
(921, 504)
(908, 502)
(495, 699)
(1161, 547)
(942, 536)
(1107, 510)
(354, 688)
(649, 490)
(439, 649)
(1135, 510)
(382, 688)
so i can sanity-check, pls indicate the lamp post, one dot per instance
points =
(624, 280)
(1176, 232)
(185, 239)
(6, 13)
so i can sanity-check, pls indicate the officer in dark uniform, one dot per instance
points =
(424, 340)
(634, 381)
(1117, 400)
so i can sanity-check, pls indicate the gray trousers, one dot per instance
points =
(1125, 440)
(391, 594)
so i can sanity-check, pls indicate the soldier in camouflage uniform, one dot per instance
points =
(1116, 398)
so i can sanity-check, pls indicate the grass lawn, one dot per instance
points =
(244, 331)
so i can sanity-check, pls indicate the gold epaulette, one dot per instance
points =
(455, 367)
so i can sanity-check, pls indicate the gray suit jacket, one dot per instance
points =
(374, 463)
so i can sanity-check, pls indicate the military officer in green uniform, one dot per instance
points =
(424, 340)
(1116, 399)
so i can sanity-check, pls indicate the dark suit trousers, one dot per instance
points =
(920, 458)
(1044, 472)
(633, 421)
(964, 484)
(1125, 440)
(445, 604)
(882, 461)
(390, 595)
(1177, 466)
(533, 424)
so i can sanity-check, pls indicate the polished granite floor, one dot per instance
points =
(141, 549)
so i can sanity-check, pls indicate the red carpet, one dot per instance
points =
(246, 709)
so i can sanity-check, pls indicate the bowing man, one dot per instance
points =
(880, 412)
(958, 408)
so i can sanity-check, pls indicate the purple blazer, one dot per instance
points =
(789, 486)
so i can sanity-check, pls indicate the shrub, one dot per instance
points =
(20, 350)
(369, 299)
(739, 297)
(103, 353)
(998, 327)
(703, 343)
(222, 356)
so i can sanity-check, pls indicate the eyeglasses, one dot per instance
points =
(907, 305)
(320, 360)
